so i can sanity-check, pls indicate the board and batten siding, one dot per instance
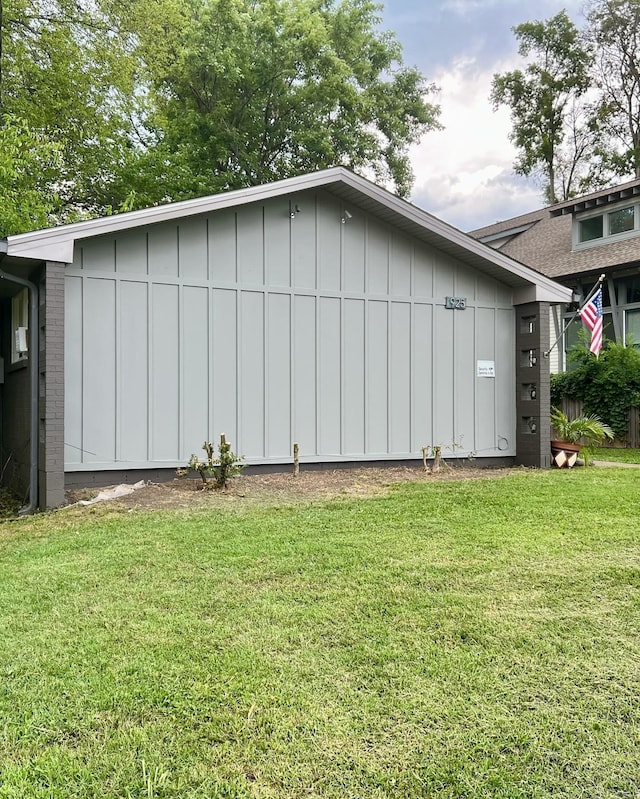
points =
(275, 327)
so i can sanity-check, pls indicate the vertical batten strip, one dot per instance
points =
(266, 368)
(82, 370)
(150, 322)
(389, 359)
(181, 375)
(117, 378)
(210, 322)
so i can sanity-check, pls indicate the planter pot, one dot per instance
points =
(564, 454)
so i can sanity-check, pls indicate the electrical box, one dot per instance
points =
(21, 340)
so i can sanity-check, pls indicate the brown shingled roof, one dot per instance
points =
(547, 244)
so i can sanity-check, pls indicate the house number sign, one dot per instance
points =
(455, 303)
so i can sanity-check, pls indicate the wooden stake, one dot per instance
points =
(437, 454)
(296, 461)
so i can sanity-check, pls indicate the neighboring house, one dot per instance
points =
(320, 310)
(576, 241)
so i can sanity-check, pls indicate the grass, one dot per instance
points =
(617, 455)
(458, 639)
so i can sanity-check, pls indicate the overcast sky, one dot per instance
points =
(464, 174)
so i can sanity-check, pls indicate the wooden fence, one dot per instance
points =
(573, 408)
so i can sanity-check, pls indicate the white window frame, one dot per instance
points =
(607, 238)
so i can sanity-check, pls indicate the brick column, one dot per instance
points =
(533, 439)
(51, 423)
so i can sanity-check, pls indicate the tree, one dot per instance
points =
(67, 77)
(241, 92)
(28, 168)
(614, 29)
(542, 96)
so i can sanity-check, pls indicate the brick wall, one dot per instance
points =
(51, 398)
(533, 440)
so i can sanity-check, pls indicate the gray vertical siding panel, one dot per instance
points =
(222, 247)
(99, 255)
(329, 388)
(443, 432)
(99, 370)
(329, 260)
(505, 408)
(192, 248)
(401, 271)
(377, 259)
(423, 273)
(422, 433)
(195, 369)
(400, 377)
(443, 279)
(131, 252)
(353, 252)
(165, 371)
(163, 250)
(485, 290)
(251, 245)
(277, 243)
(464, 380)
(73, 343)
(224, 365)
(133, 399)
(378, 378)
(278, 413)
(303, 243)
(485, 333)
(252, 385)
(304, 374)
(354, 401)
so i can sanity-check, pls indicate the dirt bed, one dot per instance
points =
(284, 488)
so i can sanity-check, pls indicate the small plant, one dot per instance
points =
(588, 428)
(221, 468)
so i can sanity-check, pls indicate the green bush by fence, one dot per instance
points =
(608, 386)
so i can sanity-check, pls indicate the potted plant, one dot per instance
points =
(571, 432)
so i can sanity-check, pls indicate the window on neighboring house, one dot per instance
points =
(20, 326)
(621, 221)
(632, 327)
(599, 228)
(591, 229)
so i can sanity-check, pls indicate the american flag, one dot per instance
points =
(592, 317)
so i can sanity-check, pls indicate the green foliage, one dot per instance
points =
(541, 96)
(67, 76)
(608, 386)
(614, 29)
(590, 428)
(29, 164)
(243, 92)
(221, 468)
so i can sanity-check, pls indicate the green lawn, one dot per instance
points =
(452, 639)
(617, 454)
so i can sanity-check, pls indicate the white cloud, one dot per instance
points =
(466, 170)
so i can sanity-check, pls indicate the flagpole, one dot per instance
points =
(598, 285)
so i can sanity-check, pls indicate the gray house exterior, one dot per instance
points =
(312, 310)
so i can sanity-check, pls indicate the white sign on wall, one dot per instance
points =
(485, 369)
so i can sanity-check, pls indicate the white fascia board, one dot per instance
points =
(56, 244)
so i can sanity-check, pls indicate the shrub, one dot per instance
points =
(607, 386)
(221, 468)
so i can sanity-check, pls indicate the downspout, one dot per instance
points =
(34, 325)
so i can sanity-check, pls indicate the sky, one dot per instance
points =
(464, 174)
